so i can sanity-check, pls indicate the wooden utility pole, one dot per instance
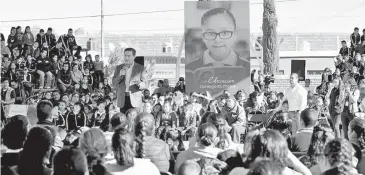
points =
(269, 41)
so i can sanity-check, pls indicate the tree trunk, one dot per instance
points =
(269, 40)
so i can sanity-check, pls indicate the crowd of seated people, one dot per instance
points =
(80, 131)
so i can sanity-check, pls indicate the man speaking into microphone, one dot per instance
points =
(128, 80)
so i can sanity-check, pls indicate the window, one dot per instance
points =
(164, 50)
(169, 49)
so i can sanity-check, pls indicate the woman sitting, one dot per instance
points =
(95, 147)
(165, 119)
(207, 135)
(271, 144)
(338, 158)
(125, 161)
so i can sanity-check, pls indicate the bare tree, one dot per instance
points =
(115, 58)
(269, 41)
(150, 69)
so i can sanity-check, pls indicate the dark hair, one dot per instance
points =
(122, 144)
(4, 79)
(218, 120)
(206, 117)
(81, 106)
(100, 101)
(232, 158)
(44, 110)
(36, 148)
(271, 144)
(49, 29)
(41, 31)
(44, 50)
(15, 132)
(281, 122)
(266, 167)
(339, 153)
(130, 50)
(70, 160)
(160, 82)
(343, 41)
(322, 134)
(70, 29)
(217, 11)
(356, 28)
(93, 143)
(207, 132)
(117, 119)
(358, 126)
(309, 117)
(249, 138)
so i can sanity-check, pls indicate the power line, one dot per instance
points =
(117, 14)
(275, 2)
(93, 16)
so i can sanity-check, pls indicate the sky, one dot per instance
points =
(294, 16)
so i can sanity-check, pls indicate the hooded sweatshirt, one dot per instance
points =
(196, 153)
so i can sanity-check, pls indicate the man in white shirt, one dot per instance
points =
(297, 100)
(129, 79)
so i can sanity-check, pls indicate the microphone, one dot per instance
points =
(125, 68)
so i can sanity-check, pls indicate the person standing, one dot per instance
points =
(355, 40)
(352, 95)
(7, 96)
(129, 80)
(50, 38)
(27, 40)
(296, 95)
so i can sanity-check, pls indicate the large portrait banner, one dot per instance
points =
(217, 49)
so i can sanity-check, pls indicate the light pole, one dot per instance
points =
(178, 59)
(102, 31)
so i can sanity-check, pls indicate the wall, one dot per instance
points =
(318, 63)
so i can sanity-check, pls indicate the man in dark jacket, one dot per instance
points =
(50, 38)
(180, 85)
(344, 49)
(69, 43)
(43, 64)
(45, 118)
(41, 39)
(355, 40)
(57, 50)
